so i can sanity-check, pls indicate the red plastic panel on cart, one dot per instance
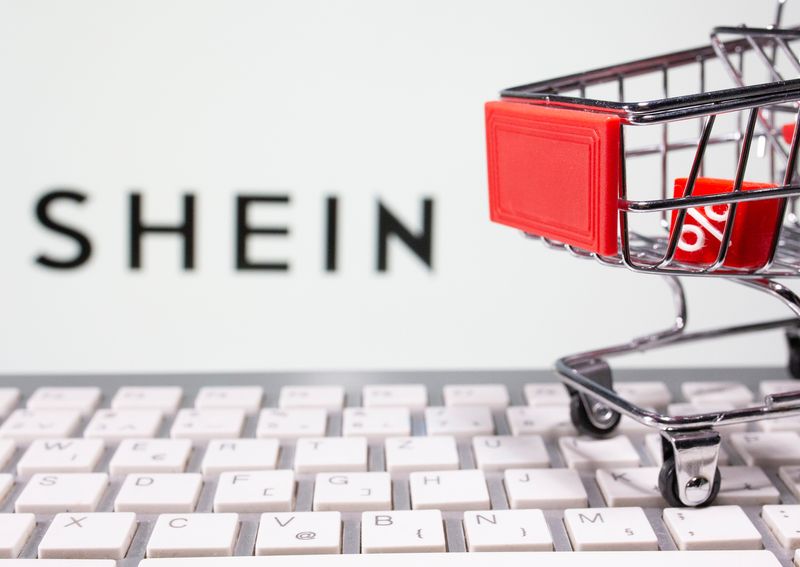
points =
(555, 172)
(754, 228)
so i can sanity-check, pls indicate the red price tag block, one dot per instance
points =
(755, 227)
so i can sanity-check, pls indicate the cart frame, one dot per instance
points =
(690, 444)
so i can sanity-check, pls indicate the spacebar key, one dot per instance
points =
(506, 559)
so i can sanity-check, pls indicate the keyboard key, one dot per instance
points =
(240, 455)
(507, 530)
(411, 396)
(631, 427)
(545, 488)
(377, 423)
(461, 422)
(609, 529)
(331, 454)
(6, 484)
(784, 523)
(323, 397)
(409, 531)
(60, 456)
(88, 536)
(652, 443)
(548, 421)
(115, 425)
(791, 477)
(493, 396)
(747, 486)
(768, 449)
(15, 531)
(546, 394)
(26, 425)
(246, 398)
(502, 452)
(769, 387)
(82, 399)
(299, 533)
(157, 493)
(709, 408)
(791, 423)
(408, 454)
(711, 392)
(193, 535)
(9, 398)
(645, 394)
(589, 453)
(202, 425)
(448, 490)
(68, 492)
(353, 492)
(636, 486)
(166, 399)
(255, 491)
(292, 424)
(150, 456)
(7, 448)
(715, 527)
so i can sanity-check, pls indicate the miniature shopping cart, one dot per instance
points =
(561, 168)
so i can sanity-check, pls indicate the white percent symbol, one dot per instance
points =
(699, 233)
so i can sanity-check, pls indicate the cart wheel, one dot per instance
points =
(582, 422)
(793, 339)
(668, 485)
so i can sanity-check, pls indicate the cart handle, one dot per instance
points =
(705, 200)
(673, 108)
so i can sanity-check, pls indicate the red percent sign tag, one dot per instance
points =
(755, 227)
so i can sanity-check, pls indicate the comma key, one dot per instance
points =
(715, 527)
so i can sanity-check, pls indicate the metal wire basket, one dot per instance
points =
(558, 170)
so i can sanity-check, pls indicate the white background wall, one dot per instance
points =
(359, 98)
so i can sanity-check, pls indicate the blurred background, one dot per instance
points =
(326, 162)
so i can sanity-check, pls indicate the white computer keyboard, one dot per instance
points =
(353, 469)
